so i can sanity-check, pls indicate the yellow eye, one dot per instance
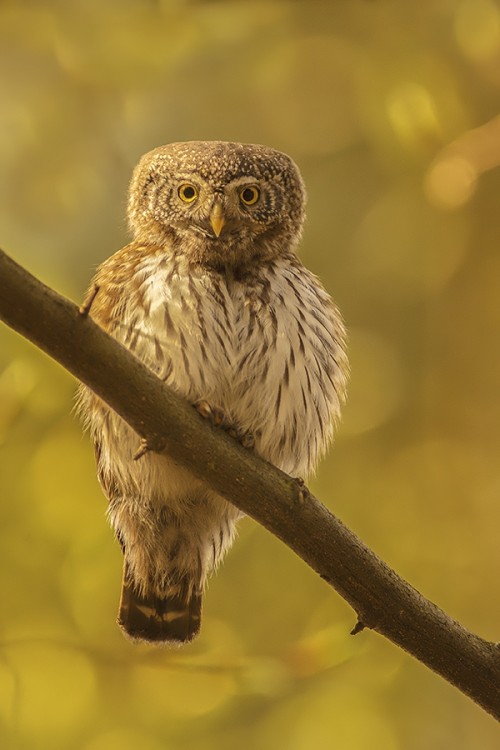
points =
(187, 192)
(249, 195)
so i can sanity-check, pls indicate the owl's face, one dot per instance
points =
(219, 203)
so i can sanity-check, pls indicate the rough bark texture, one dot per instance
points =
(382, 600)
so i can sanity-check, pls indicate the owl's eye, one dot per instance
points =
(187, 192)
(250, 195)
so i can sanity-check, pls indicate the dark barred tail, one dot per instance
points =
(174, 618)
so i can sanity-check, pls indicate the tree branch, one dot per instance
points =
(382, 600)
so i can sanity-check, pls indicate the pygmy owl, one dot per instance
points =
(211, 296)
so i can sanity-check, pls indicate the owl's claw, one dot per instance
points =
(87, 303)
(219, 419)
(247, 440)
(216, 416)
(144, 448)
(304, 492)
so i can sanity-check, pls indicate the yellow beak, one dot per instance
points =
(217, 219)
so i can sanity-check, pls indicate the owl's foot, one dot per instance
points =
(219, 419)
(304, 492)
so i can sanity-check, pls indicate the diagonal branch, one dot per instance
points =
(382, 600)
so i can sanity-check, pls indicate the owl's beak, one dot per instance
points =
(217, 218)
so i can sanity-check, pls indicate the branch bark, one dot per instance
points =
(382, 600)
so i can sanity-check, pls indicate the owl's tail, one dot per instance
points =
(174, 618)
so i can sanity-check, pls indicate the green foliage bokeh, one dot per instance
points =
(391, 110)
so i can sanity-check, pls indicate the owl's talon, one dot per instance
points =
(304, 493)
(219, 419)
(203, 408)
(144, 448)
(87, 303)
(207, 411)
(247, 440)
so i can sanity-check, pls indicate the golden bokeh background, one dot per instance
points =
(392, 110)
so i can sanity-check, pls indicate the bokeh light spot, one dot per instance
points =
(450, 182)
(412, 113)
(477, 29)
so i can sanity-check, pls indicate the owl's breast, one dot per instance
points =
(292, 367)
(269, 352)
(183, 326)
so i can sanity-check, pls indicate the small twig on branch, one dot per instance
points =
(358, 628)
(382, 600)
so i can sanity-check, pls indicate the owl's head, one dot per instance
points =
(219, 203)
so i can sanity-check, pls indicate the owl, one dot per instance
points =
(212, 297)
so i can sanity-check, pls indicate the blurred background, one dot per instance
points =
(392, 111)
